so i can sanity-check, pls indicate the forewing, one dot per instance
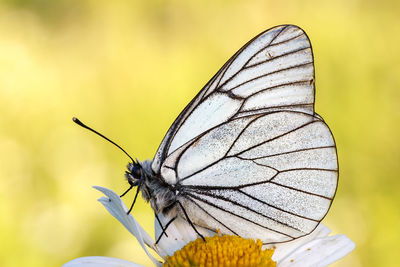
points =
(273, 177)
(274, 71)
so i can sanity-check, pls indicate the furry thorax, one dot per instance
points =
(161, 195)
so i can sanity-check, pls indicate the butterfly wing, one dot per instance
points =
(272, 71)
(251, 156)
(273, 176)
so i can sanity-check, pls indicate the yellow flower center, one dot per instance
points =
(222, 251)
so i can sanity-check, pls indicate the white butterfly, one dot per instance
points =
(248, 155)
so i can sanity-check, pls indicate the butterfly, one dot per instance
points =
(248, 155)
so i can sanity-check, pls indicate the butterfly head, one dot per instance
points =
(134, 173)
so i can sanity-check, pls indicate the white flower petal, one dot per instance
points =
(117, 208)
(343, 246)
(319, 252)
(284, 249)
(100, 261)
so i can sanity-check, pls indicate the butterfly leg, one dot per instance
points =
(134, 200)
(164, 229)
(132, 182)
(159, 222)
(190, 222)
(129, 189)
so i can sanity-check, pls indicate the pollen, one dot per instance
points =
(222, 251)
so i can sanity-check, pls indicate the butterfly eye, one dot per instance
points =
(133, 175)
(134, 170)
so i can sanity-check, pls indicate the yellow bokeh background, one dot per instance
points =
(128, 68)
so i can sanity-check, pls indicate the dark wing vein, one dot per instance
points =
(274, 138)
(287, 40)
(292, 151)
(241, 132)
(224, 225)
(279, 86)
(271, 109)
(239, 216)
(275, 207)
(276, 57)
(298, 190)
(255, 53)
(208, 193)
(270, 73)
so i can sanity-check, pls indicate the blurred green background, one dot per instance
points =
(127, 68)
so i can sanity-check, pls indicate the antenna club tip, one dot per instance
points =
(75, 119)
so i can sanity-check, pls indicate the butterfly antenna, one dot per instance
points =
(77, 121)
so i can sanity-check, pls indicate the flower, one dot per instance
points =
(315, 249)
